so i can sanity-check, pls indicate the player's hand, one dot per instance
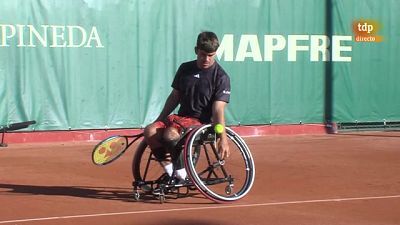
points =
(223, 147)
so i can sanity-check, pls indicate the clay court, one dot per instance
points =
(349, 178)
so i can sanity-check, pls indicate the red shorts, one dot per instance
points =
(178, 122)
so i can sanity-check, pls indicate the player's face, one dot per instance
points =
(204, 59)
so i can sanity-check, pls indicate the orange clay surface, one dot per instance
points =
(340, 179)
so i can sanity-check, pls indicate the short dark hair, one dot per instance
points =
(207, 41)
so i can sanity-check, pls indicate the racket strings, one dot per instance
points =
(108, 150)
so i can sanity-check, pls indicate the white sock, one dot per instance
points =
(169, 169)
(181, 174)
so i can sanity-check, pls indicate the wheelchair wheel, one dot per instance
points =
(219, 180)
(146, 169)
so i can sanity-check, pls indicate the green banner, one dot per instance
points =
(98, 64)
(367, 88)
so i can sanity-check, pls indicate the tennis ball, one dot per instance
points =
(218, 128)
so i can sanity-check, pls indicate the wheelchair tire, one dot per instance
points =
(219, 180)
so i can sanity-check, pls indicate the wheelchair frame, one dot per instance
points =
(220, 180)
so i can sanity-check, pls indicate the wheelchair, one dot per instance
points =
(220, 180)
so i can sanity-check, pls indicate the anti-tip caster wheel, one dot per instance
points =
(162, 199)
(228, 189)
(136, 196)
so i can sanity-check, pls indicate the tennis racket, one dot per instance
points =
(111, 148)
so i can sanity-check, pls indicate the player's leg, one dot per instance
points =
(161, 138)
(170, 137)
(153, 135)
(176, 126)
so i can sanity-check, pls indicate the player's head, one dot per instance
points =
(206, 48)
(207, 41)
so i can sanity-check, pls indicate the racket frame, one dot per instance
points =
(129, 143)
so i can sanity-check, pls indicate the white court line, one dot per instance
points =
(200, 208)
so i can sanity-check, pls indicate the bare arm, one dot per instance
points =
(218, 116)
(170, 104)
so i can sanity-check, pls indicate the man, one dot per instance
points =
(202, 89)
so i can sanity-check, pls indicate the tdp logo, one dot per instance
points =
(366, 31)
